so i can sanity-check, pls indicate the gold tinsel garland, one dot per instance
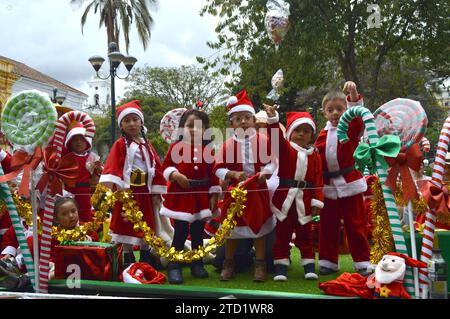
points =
(383, 241)
(135, 216)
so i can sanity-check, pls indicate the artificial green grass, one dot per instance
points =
(296, 282)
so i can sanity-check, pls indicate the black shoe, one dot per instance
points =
(128, 259)
(310, 271)
(175, 273)
(326, 271)
(198, 270)
(149, 258)
(280, 272)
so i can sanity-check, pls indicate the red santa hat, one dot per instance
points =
(240, 103)
(295, 119)
(77, 129)
(142, 273)
(132, 107)
(408, 260)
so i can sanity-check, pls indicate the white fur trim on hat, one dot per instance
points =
(241, 108)
(77, 131)
(130, 110)
(232, 100)
(297, 123)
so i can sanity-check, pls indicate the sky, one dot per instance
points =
(46, 35)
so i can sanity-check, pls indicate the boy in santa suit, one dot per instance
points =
(89, 165)
(244, 155)
(344, 186)
(134, 164)
(299, 194)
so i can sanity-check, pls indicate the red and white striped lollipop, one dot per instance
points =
(425, 143)
(169, 124)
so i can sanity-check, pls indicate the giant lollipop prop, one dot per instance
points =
(61, 126)
(168, 126)
(388, 145)
(277, 20)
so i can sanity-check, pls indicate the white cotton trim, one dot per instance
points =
(297, 123)
(360, 101)
(215, 189)
(269, 168)
(245, 231)
(159, 189)
(328, 264)
(221, 173)
(316, 203)
(3, 154)
(169, 170)
(307, 261)
(283, 261)
(130, 110)
(275, 119)
(185, 216)
(124, 239)
(3, 231)
(127, 278)
(9, 250)
(109, 178)
(362, 265)
(344, 190)
(241, 108)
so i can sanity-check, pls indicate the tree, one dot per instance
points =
(116, 14)
(178, 87)
(329, 40)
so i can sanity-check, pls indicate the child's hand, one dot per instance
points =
(350, 89)
(270, 110)
(181, 179)
(239, 176)
(262, 178)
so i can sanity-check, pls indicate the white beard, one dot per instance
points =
(385, 277)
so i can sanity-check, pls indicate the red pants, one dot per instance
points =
(352, 211)
(303, 239)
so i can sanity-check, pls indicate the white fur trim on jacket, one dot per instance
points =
(187, 217)
(360, 101)
(328, 264)
(275, 119)
(239, 232)
(124, 239)
(169, 170)
(215, 189)
(3, 154)
(241, 108)
(316, 203)
(159, 189)
(109, 178)
(221, 173)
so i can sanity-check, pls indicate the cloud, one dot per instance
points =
(46, 35)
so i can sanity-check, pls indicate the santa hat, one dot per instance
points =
(77, 129)
(240, 103)
(132, 107)
(142, 273)
(408, 260)
(295, 119)
(199, 105)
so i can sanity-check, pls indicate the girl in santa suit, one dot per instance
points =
(134, 164)
(193, 189)
(89, 166)
(244, 155)
(299, 194)
(343, 186)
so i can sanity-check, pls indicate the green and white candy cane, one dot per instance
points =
(5, 193)
(28, 118)
(391, 207)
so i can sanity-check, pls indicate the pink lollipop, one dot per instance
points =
(169, 124)
(402, 117)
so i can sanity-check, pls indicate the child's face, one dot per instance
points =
(302, 135)
(131, 125)
(67, 215)
(78, 144)
(243, 120)
(333, 110)
(193, 127)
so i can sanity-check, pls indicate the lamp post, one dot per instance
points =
(59, 99)
(115, 59)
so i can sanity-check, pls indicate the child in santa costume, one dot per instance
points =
(344, 186)
(133, 164)
(299, 195)
(193, 189)
(5, 221)
(89, 165)
(243, 156)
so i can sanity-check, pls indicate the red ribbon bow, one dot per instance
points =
(412, 158)
(437, 197)
(22, 161)
(58, 172)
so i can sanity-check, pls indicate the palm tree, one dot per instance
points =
(111, 11)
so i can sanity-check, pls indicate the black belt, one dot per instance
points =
(339, 172)
(198, 183)
(83, 184)
(296, 184)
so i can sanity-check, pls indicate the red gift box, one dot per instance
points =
(96, 261)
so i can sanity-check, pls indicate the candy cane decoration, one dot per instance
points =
(430, 217)
(391, 207)
(425, 144)
(61, 126)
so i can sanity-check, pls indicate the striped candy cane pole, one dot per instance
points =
(18, 229)
(391, 207)
(425, 144)
(430, 217)
(60, 132)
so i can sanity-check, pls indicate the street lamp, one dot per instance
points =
(59, 99)
(115, 59)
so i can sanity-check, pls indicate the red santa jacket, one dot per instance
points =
(296, 163)
(336, 156)
(196, 162)
(119, 165)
